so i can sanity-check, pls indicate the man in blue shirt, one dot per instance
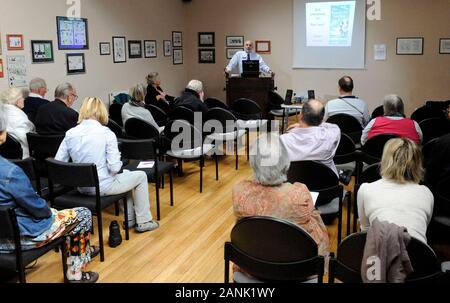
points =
(236, 62)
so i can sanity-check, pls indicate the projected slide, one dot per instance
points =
(330, 24)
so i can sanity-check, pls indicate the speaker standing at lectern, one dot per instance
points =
(235, 64)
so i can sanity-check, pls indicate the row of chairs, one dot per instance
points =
(286, 252)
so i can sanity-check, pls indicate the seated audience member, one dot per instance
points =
(92, 142)
(268, 194)
(397, 197)
(57, 117)
(18, 124)
(348, 103)
(192, 97)
(312, 139)
(39, 224)
(393, 122)
(438, 165)
(38, 89)
(155, 94)
(136, 107)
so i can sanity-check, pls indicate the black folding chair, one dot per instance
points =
(11, 149)
(434, 128)
(136, 128)
(182, 113)
(378, 112)
(349, 125)
(283, 251)
(426, 112)
(158, 114)
(277, 111)
(115, 128)
(215, 102)
(115, 113)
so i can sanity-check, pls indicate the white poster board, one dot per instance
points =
(17, 71)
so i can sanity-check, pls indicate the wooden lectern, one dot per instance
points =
(256, 89)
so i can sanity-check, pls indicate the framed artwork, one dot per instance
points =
(262, 46)
(150, 49)
(75, 63)
(14, 42)
(207, 55)
(177, 39)
(444, 46)
(167, 48)
(72, 33)
(41, 51)
(105, 48)
(134, 49)
(235, 41)
(410, 46)
(177, 56)
(232, 51)
(119, 50)
(206, 39)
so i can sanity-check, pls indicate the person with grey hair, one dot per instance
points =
(136, 107)
(192, 97)
(268, 194)
(155, 94)
(36, 98)
(18, 124)
(235, 64)
(311, 138)
(57, 117)
(393, 122)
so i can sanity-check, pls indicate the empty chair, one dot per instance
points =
(11, 149)
(348, 124)
(182, 113)
(140, 129)
(145, 150)
(346, 267)
(434, 128)
(82, 175)
(322, 179)
(158, 114)
(378, 112)
(214, 102)
(115, 113)
(426, 112)
(272, 250)
(276, 110)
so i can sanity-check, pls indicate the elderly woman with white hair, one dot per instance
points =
(18, 124)
(270, 195)
(155, 94)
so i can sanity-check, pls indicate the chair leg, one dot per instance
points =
(100, 235)
(349, 211)
(171, 186)
(355, 211)
(237, 154)
(64, 260)
(162, 181)
(216, 158)
(158, 215)
(248, 144)
(180, 168)
(340, 221)
(201, 174)
(125, 219)
(22, 278)
(227, 272)
(116, 208)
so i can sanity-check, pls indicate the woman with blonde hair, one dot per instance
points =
(92, 142)
(398, 198)
(136, 107)
(155, 94)
(18, 124)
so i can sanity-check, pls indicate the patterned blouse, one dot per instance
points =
(291, 202)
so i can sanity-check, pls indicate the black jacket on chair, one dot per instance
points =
(32, 105)
(191, 100)
(55, 118)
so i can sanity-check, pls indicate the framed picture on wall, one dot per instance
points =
(444, 46)
(134, 49)
(410, 46)
(14, 42)
(232, 51)
(206, 39)
(177, 39)
(41, 51)
(167, 48)
(105, 48)
(150, 49)
(235, 41)
(177, 56)
(262, 46)
(119, 50)
(75, 63)
(207, 55)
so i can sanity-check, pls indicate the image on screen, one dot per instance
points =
(72, 33)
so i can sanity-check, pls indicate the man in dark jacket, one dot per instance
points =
(38, 89)
(192, 97)
(57, 117)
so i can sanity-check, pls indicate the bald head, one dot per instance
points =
(313, 112)
(346, 84)
(249, 46)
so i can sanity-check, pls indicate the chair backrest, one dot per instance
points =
(374, 147)
(434, 128)
(72, 174)
(442, 199)
(345, 152)
(284, 251)
(246, 109)
(115, 113)
(378, 112)
(43, 147)
(215, 102)
(221, 115)
(182, 113)
(370, 174)
(348, 124)
(140, 129)
(275, 100)
(29, 167)
(189, 136)
(9, 228)
(11, 149)
(138, 149)
(158, 114)
(115, 128)
(426, 112)
(351, 251)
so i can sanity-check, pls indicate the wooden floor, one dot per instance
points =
(188, 247)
